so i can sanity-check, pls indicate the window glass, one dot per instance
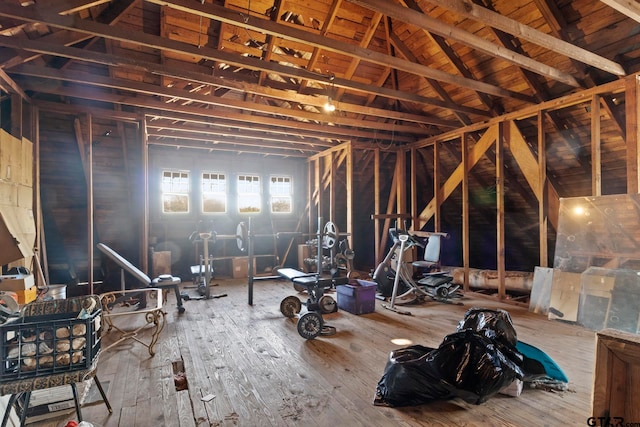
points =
(280, 190)
(249, 198)
(214, 192)
(175, 191)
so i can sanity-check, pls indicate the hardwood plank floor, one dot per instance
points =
(262, 373)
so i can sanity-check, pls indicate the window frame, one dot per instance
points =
(176, 189)
(247, 195)
(280, 195)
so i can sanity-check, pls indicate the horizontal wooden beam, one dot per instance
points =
(630, 8)
(174, 94)
(191, 113)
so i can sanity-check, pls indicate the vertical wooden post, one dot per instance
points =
(318, 190)
(349, 166)
(543, 202)
(596, 148)
(331, 159)
(401, 185)
(41, 245)
(413, 173)
(90, 202)
(437, 194)
(633, 133)
(376, 207)
(503, 130)
(310, 176)
(144, 241)
(465, 210)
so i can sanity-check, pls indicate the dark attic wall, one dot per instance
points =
(116, 154)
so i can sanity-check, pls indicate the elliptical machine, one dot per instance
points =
(395, 279)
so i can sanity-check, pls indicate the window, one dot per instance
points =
(214, 192)
(280, 191)
(249, 200)
(175, 191)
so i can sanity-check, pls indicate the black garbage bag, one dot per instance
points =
(474, 367)
(494, 324)
(410, 378)
(472, 364)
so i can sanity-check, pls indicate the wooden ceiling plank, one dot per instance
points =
(212, 11)
(450, 32)
(629, 8)
(503, 23)
(266, 56)
(315, 56)
(353, 65)
(457, 62)
(67, 7)
(109, 16)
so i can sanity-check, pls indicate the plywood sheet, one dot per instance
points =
(27, 163)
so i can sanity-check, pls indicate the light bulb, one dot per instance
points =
(329, 107)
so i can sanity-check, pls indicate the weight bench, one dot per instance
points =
(311, 280)
(164, 281)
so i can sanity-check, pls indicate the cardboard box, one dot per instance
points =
(357, 297)
(16, 282)
(240, 267)
(28, 295)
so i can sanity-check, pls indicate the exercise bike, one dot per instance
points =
(394, 276)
